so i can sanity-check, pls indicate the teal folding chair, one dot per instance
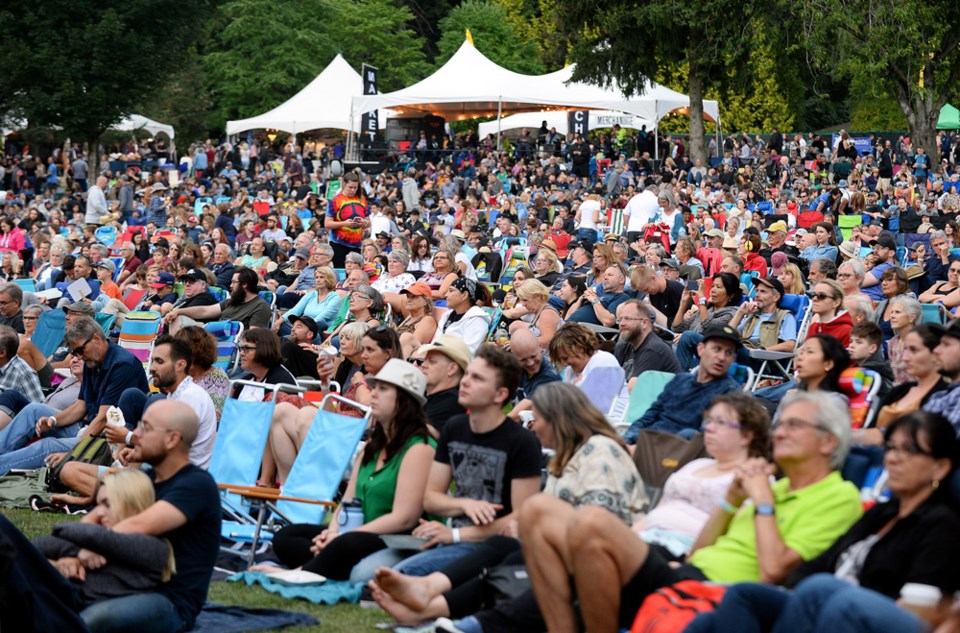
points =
(314, 480)
(935, 313)
(27, 285)
(227, 334)
(219, 293)
(51, 327)
(646, 390)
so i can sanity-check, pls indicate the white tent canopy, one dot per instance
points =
(470, 85)
(558, 119)
(138, 122)
(323, 103)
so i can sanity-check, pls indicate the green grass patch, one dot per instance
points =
(340, 618)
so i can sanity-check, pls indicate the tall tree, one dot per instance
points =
(625, 42)
(911, 48)
(82, 65)
(493, 35)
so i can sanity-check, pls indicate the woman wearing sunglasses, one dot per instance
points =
(829, 317)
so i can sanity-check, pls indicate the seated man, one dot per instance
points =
(663, 294)
(108, 371)
(244, 305)
(763, 324)
(680, 405)
(537, 370)
(186, 512)
(601, 308)
(15, 374)
(760, 533)
(639, 349)
(443, 364)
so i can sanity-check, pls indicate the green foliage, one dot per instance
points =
(266, 53)
(493, 35)
(877, 113)
(375, 32)
(536, 21)
(184, 101)
(82, 64)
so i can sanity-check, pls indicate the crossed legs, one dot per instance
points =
(288, 430)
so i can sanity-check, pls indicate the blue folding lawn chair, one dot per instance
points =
(227, 334)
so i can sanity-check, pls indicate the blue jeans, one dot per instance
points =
(587, 237)
(687, 350)
(13, 402)
(776, 393)
(143, 613)
(367, 568)
(425, 563)
(22, 427)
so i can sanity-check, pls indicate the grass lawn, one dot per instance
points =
(341, 618)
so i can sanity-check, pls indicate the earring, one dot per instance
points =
(935, 484)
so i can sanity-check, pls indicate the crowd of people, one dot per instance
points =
(497, 312)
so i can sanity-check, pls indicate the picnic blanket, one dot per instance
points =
(218, 618)
(330, 592)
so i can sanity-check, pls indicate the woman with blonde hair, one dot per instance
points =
(792, 279)
(547, 267)
(603, 258)
(535, 298)
(445, 272)
(135, 563)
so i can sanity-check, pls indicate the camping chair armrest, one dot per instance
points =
(762, 354)
(272, 494)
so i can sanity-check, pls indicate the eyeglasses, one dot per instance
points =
(906, 450)
(793, 424)
(246, 349)
(720, 422)
(844, 275)
(821, 296)
(955, 271)
(620, 320)
(79, 351)
(145, 427)
(30, 318)
(417, 361)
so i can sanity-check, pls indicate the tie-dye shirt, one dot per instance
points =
(343, 208)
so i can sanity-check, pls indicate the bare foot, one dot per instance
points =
(411, 591)
(401, 613)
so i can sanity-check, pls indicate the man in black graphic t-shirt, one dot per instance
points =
(494, 462)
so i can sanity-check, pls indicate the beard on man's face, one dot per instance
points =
(237, 297)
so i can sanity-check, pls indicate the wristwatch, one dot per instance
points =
(703, 301)
(765, 510)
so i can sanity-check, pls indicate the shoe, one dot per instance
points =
(75, 509)
(445, 625)
(39, 504)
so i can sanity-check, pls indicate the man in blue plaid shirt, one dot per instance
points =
(15, 373)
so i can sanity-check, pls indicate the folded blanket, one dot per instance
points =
(330, 592)
(218, 618)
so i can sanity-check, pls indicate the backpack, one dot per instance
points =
(671, 609)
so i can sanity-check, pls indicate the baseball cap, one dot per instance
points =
(574, 244)
(80, 306)
(308, 321)
(725, 332)
(777, 227)
(194, 274)
(163, 279)
(451, 347)
(670, 263)
(109, 265)
(418, 289)
(886, 241)
(714, 233)
(303, 253)
(771, 282)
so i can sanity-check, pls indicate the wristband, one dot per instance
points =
(456, 535)
(127, 439)
(54, 422)
(728, 507)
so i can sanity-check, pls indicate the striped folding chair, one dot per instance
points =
(138, 334)
(227, 334)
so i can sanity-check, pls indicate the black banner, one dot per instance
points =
(578, 122)
(369, 122)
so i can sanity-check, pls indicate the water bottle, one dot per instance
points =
(351, 516)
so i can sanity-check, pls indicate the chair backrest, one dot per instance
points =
(746, 279)
(118, 263)
(322, 461)
(227, 334)
(646, 390)
(797, 305)
(138, 334)
(711, 258)
(241, 438)
(934, 313)
(105, 321)
(51, 327)
(132, 297)
(860, 386)
(218, 293)
(198, 205)
(846, 223)
(27, 285)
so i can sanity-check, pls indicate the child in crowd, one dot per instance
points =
(865, 349)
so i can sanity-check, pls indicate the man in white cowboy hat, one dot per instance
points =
(443, 363)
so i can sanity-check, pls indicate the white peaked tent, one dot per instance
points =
(323, 103)
(137, 122)
(470, 85)
(558, 119)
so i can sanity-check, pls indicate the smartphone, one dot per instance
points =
(693, 285)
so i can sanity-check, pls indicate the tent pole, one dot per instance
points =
(656, 141)
(499, 119)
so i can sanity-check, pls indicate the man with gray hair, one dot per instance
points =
(97, 203)
(761, 531)
(108, 371)
(15, 373)
(11, 300)
(222, 265)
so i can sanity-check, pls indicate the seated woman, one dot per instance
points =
(28, 351)
(136, 563)
(945, 292)
(792, 279)
(577, 349)
(419, 325)
(893, 283)
(909, 539)
(261, 361)
(320, 304)
(365, 306)
(570, 292)
(547, 267)
(535, 298)
(465, 318)
(697, 313)
(365, 352)
(735, 428)
(397, 277)
(829, 317)
(905, 313)
(213, 380)
(923, 368)
(388, 480)
(591, 466)
(511, 302)
(445, 272)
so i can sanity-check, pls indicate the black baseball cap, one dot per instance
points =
(725, 332)
(194, 274)
(772, 282)
(886, 241)
(308, 321)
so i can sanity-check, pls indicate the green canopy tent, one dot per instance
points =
(949, 118)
